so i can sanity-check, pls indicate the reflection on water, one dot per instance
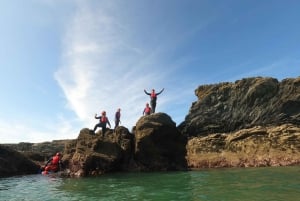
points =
(219, 184)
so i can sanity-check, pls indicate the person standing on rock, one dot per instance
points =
(147, 110)
(102, 122)
(153, 98)
(117, 118)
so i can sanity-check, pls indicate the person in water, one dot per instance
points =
(54, 164)
(153, 98)
(117, 118)
(147, 110)
(103, 121)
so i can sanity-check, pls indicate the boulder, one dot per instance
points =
(158, 144)
(92, 154)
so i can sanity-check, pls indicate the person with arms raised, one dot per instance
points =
(153, 98)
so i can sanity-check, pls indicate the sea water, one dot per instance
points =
(247, 184)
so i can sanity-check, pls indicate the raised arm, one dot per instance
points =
(146, 92)
(160, 91)
(48, 161)
(108, 123)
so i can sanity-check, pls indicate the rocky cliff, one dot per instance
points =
(251, 122)
(246, 103)
(157, 145)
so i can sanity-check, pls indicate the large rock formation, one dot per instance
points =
(156, 145)
(250, 102)
(14, 163)
(252, 122)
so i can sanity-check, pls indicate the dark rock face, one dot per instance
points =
(14, 163)
(91, 154)
(38, 152)
(159, 145)
(249, 102)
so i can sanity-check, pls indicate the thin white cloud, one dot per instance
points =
(96, 75)
(105, 68)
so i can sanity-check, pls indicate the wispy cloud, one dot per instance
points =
(102, 70)
(105, 69)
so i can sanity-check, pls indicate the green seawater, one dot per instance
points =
(276, 183)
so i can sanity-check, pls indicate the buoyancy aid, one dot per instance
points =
(55, 160)
(103, 119)
(153, 95)
(147, 110)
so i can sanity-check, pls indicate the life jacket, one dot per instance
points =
(147, 110)
(55, 160)
(153, 95)
(103, 119)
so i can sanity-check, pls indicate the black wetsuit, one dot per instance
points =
(117, 119)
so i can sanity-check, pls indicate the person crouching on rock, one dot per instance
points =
(103, 120)
(54, 164)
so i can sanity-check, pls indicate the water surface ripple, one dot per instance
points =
(248, 184)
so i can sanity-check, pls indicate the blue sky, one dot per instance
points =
(62, 61)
